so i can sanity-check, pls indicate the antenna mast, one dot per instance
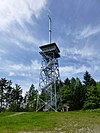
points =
(50, 21)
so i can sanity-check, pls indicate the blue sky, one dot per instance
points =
(24, 27)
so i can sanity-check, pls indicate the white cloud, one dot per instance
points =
(35, 65)
(2, 51)
(15, 31)
(18, 11)
(14, 69)
(13, 27)
(66, 69)
(22, 74)
(87, 32)
(82, 59)
(69, 71)
(11, 74)
(73, 52)
(24, 39)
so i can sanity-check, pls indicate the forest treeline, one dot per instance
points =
(73, 92)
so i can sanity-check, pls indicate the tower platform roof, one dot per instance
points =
(50, 50)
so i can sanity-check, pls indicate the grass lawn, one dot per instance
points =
(50, 122)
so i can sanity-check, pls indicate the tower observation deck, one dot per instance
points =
(49, 78)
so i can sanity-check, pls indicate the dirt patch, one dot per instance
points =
(19, 113)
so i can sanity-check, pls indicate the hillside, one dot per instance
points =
(49, 122)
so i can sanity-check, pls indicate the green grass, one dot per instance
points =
(49, 122)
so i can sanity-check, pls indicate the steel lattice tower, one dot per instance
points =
(49, 78)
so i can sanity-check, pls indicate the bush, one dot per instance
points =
(89, 105)
(14, 107)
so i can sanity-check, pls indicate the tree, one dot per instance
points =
(31, 98)
(92, 95)
(98, 86)
(78, 96)
(8, 98)
(17, 98)
(67, 81)
(73, 94)
(65, 94)
(3, 91)
(92, 98)
(17, 94)
(88, 80)
(61, 83)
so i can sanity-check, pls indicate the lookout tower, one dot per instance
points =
(49, 76)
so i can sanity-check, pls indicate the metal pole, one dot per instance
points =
(50, 21)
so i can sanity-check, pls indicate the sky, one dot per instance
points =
(24, 27)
